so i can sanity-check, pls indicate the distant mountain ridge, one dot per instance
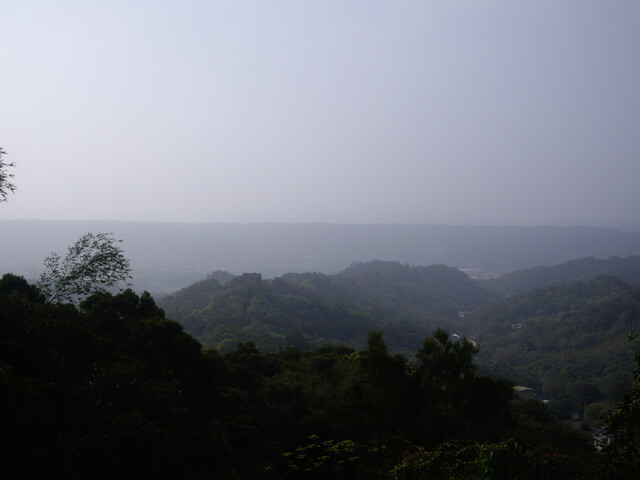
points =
(343, 307)
(169, 256)
(626, 269)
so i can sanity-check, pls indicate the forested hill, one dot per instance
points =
(627, 269)
(113, 389)
(559, 340)
(271, 314)
(569, 342)
(397, 289)
(408, 302)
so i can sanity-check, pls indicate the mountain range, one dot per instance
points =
(168, 256)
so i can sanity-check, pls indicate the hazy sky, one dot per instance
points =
(481, 112)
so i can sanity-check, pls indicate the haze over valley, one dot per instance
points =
(168, 256)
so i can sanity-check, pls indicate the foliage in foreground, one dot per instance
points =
(464, 460)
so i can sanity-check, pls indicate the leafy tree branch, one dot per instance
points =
(6, 186)
(93, 264)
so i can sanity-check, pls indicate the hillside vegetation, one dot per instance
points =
(316, 309)
(114, 389)
(567, 340)
(321, 376)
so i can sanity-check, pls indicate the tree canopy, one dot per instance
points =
(114, 388)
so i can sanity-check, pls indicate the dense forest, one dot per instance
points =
(109, 386)
(406, 302)
(224, 309)
(113, 388)
(384, 370)
(567, 341)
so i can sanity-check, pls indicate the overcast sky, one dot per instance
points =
(448, 112)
